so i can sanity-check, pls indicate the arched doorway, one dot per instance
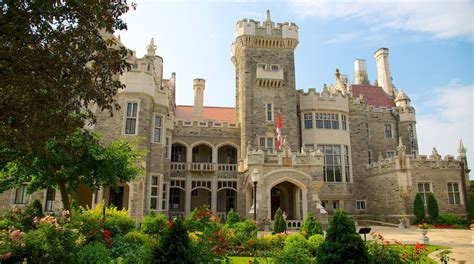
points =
(288, 197)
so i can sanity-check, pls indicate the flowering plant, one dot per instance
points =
(384, 251)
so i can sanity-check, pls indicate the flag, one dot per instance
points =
(278, 130)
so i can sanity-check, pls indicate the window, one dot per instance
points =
(230, 197)
(194, 193)
(270, 143)
(390, 154)
(167, 146)
(344, 122)
(327, 121)
(388, 131)
(266, 143)
(154, 193)
(175, 198)
(131, 118)
(50, 197)
(308, 121)
(346, 164)
(274, 67)
(332, 163)
(424, 189)
(157, 131)
(360, 205)
(370, 156)
(178, 153)
(411, 131)
(163, 197)
(21, 196)
(454, 195)
(269, 111)
(367, 129)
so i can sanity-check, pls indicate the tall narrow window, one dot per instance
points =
(131, 118)
(346, 164)
(167, 146)
(163, 197)
(50, 197)
(424, 189)
(261, 142)
(157, 131)
(308, 120)
(454, 195)
(411, 131)
(154, 193)
(388, 131)
(332, 163)
(270, 143)
(269, 111)
(21, 196)
(344, 122)
(367, 130)
(370, 156)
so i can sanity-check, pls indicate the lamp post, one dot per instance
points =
(255, 177)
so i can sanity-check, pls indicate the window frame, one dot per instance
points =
(160, 129)
(390, 154)
(269, 112)
(306, 120)
(459, 192)
(364, 202)
(157, 188)
(424, 194)
(386, 131)
(25, 196)
(126, 117)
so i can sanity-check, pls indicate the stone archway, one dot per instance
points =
(287, 196)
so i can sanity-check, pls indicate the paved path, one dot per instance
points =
(459, 240)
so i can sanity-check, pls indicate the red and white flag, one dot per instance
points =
(278, 130)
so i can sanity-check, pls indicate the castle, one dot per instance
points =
(351, 145)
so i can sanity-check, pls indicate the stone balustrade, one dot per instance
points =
(193, 166)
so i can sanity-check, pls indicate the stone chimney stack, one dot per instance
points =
(199, 86)
(361, 76)
(384, 78)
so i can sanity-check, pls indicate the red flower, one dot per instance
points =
(169, 224)
(107, 234)
(387, 242)
(216, 233)
(202, 213)
(251, 242)
(210, 239)
(220, 239)
(380, 237)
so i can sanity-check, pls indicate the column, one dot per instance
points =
(187, 197)
(214, 194)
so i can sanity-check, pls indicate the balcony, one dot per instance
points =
(195, 166)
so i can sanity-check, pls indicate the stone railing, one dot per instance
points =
(227, 167)
(173, 214)
(294, 224)
(178, 166)
(201, 166)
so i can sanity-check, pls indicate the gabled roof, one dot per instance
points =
(210, 113)
(374, 95)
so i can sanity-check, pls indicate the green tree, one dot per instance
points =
(419, 208)
(433, 209)
(342, 243)
(232, 217)
(279, 223)
(311, 226)
(80, 158)
(56, 59)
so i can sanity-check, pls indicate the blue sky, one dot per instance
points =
(430, 42)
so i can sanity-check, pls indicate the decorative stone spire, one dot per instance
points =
(402, 100)
(340, 85)
(268, 24)
(151, 48)
(435, 155)
(462, 150)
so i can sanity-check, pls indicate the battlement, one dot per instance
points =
(204, 123)
(327, 100)
(277, 157)
(418, 162)
(267, 28)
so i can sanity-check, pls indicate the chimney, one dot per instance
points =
(199, 86)
(384, 78)
(361, 76)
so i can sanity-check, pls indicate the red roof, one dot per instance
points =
(210, 113)
(373, 95)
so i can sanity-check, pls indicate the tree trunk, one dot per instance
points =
(64, 196)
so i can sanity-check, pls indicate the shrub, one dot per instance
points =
(244, 231)
(383, 251)
(311, 226)
(279, 224)
(175, 245)
(433, 209)
(232, 217)
(202, 219)
(154, 224)
(314, 242)
(296, 250)
(451, 220)
(117, 221)
(95, 252)
(132, 248)
(270, 243)
(419, 208)
(342, 243)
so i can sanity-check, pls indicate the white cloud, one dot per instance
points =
(342, 38)
(446, 118)
(443, 19)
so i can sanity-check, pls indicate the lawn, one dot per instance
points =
(245, 260)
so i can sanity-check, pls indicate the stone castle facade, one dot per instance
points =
(351, 145)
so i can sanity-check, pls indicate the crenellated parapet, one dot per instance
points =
(332, 100)
(280, 158)
(420, 162)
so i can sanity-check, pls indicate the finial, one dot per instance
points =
(338, 74)
(151, 48)
(267, 16)
(462, 150)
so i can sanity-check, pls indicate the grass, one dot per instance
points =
(245, 260)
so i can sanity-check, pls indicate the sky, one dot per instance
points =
(431, 46)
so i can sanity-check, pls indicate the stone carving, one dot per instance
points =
(435, 155)
(401, 149)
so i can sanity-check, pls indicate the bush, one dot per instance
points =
(314, 242)
(342, 243)
(244, 231)
(383, 251)
(451, 220)
(296, 250)
(270, 243)
(175, 245)
(433, 209)
(95, 252)
(419, 208)
(232, 217)
(116, 221)
(154, 224)
(311, 226)
(279, 224)
(132, 248)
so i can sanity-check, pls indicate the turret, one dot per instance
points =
(199, 86)
(360, 69)
(384, 78)
(402, 100)
(151, 48)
